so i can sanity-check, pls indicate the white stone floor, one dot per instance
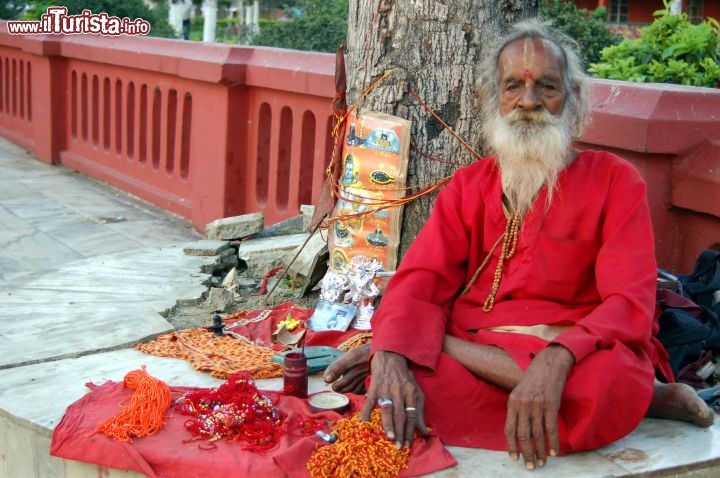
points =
(86, 271)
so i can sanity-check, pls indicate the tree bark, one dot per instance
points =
(433, 47)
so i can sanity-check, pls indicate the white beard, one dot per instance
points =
(532, 148)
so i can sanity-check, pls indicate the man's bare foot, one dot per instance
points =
(678, 401)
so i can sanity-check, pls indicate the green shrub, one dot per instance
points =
(669, 50)
(320, 25)
(588, 29)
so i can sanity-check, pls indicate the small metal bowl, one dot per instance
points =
(329, 402)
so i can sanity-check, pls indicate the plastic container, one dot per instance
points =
(295, 374)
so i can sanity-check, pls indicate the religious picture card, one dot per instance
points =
(374, 167)
(331, 316)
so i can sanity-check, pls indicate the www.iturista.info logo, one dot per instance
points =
(57, 21)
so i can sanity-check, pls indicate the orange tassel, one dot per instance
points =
(144, 415)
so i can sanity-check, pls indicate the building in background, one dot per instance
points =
(640, 11)
(627, 16)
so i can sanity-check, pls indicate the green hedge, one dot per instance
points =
(670, 50)
(320, 25)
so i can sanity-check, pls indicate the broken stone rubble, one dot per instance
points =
(263, 255)
(248, 253)
(205, 247)
(219, 300)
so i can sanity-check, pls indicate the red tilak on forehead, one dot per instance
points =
(527, 74)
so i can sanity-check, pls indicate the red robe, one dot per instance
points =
(586, 263)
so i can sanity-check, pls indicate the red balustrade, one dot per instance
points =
(203, 130)
(16, 107)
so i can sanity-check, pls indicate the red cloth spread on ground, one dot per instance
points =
(248, 342)
(167, 455)
(260, 331)
(586, 264)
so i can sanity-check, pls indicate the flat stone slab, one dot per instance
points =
(96, 304)
(206, 247)
(656, 446)
(294, 225)
(235, 227)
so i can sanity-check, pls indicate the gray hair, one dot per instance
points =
(574, 79)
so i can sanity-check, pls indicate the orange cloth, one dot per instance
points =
(586, 262)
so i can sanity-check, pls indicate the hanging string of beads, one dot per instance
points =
(362, 450)
(374, 205)
(509, 245)
(145, 413)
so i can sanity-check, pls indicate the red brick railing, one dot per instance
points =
(209, 130)
(203, 130)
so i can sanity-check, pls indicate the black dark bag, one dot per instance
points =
(686, 335)
(704, 280)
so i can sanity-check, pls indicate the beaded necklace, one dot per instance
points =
(510, 239)
(362, 450)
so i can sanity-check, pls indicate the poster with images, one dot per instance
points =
(374, 167)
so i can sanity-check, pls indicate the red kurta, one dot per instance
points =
(586, 263)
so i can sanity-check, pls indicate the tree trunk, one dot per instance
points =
(433, 47)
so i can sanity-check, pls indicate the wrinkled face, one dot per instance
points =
(531, 77)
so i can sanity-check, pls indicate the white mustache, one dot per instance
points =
(538, 116)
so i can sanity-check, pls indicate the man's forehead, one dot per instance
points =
(525, 54)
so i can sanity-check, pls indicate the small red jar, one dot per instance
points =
(295, 374)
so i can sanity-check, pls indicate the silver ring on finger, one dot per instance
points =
(384, 403)
(410, 409)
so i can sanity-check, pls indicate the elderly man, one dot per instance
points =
(520, 319)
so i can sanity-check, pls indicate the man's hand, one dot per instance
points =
(347, 374)
(394, 386)
(531, 424)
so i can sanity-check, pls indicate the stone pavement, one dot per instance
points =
(87, 271)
